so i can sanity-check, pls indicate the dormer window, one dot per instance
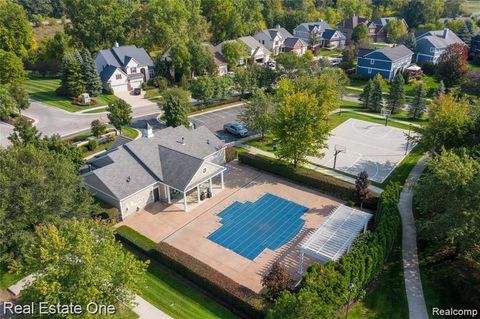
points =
(118, 76)
(133, 70)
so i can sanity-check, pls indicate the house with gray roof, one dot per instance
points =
(431, 44)
(171, 165)
(322, 32)
(257, 52)
(386, 62)
(381, 33)
(124, 68)
(348, 25)
(273, 39)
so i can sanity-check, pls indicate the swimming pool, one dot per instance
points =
(249, 228)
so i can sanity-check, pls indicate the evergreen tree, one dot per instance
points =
(410, 41)
(440, 90)
(72, 82)
(418, 106)
(376, 96)
(93, 82)
(361, 187)
(465, 34)
(396, 98)
(365, 96)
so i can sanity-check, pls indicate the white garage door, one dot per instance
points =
(120, 88)
(136, 84)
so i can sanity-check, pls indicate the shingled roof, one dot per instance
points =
(391, 54)
(121, 55)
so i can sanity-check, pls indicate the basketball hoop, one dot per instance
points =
(338, 149)
(386, 115)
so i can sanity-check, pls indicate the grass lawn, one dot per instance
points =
(387, 300)
(471, 7)
(474, 67)
(329, 53)
(429, 82)
(129, 132)
(400, 173)
(100, 110)
(7, 279)
(43, 90)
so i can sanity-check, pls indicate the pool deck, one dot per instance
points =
(189, 231)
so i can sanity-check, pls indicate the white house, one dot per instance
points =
(124, 68)
(325, 35)
(273, 39)
(175, 165)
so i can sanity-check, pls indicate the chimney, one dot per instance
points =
(445, 33)
(277, 26)
(115, 45)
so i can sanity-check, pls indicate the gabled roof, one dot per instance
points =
(218, 58)
(329, 33)
(108, 71)
(291, 42)
(321, 25)
(391, 54)
(121, 55)
(278, 30)
(352, 22)
(253, 44)
(439, 38)
(384, 21)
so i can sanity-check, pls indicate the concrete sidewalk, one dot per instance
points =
(413, 284)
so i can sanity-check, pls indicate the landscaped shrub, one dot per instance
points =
(224, 288)
(92, 144)
(324, 183)
(324, 287)
(230, 154)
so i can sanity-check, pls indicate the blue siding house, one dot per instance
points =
(431, 44)
(386, 62)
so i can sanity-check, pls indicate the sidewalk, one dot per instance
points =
(413, 284)
(321, 170)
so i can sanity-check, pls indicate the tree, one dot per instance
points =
(203, 88)
(258, 112)
(348, 57)
(410, 41)
(464, 34)
(11, 69)
(292, 64)
(245, 80)
(449, 120)
(471, 83)
(16, 34)
(396, 97)
(48, 56)
(68, 260)
(419, 105)
(453, 8)
(92, 80)
(300, 127)
(24, 133)
(418, 12)
(440, 90)
(21, 97)
(361, 187)
(176, 107)
(223, 86)
(202, 58)
(453, 65)
(230, 19)
(376, 96)
(365, 96)
(98, 128)
(72, 79)
(233, 52)
(359, 33)
(396, 30)
(119, 114)
(278, 279)
(8, 105)
(37, 186)
(181, 60)
(97, 24)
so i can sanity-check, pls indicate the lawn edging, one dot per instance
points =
(237, 296)
(326, 184)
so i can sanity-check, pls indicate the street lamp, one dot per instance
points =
(350, 289)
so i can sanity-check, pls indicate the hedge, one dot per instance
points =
(326, 184)
(237, 296)
(329, 282)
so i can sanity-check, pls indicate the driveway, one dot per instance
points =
(134, 100)
(215, 120)
(5, 131)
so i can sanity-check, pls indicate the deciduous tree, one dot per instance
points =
(98, 128)
(176, 106)
(203, 88)
(233, 52)
(119, 114)
(258, 112)
(16, 34)
(453, 65)
(360, 32)
(361, 187)
(396, 30)
(278, 279)
(11, 68)
(245, 80)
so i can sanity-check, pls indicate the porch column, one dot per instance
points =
(301, 263)
(185, 202)
(221, 176)
(169, 199)
(211, 185)
(198, 193)
(365, 227)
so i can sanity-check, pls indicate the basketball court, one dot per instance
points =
(362, 145)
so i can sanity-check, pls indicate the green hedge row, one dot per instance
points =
(237, 296)
(327, 286)
(324, 183)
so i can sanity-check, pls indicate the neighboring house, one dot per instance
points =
(294, 44)
(431, 44)
(381, 34)
(273, 39)
(257, 52)
(219, 61)
(316, 30)
(348, 25)
(386, 62)
(175, 165)
(124, 68)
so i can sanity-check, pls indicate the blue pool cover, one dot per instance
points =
(248, 228)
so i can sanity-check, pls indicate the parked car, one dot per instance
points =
(137, 91)
(235, 129)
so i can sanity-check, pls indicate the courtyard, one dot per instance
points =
(243, 255)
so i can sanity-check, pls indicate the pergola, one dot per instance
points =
(336, 235)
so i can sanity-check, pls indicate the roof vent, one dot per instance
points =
(115, 44)
(128, 179)
(208, 141)
(183, 140)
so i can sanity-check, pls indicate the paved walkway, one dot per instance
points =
(322, 170)
(413, 284)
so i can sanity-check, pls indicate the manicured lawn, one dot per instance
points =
(329, 53)
(400, 173)
(471, 7)
(388, 299)
(100, 110)
(43, 90)
(129, 132)
(178, 299)
(429, 82)
(7, 279)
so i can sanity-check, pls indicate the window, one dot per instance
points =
(432, 50)
(204, 170)
(133, 70)
(118, 76)
(369, 71)
(372, 62)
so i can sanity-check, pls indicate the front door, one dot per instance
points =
(156, 195)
